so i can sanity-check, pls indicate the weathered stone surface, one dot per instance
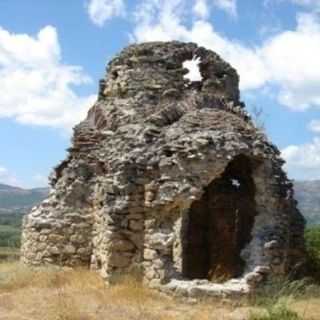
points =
(149, 254)
(203, 288)
(170, 177)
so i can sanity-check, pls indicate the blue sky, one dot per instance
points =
(53, 53)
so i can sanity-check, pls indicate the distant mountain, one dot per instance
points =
(308, 195)
(18, 200)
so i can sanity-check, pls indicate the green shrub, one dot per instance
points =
(11, 219)
(10, 236)
(10, 230)
(274, 296)
(277, 311)
(312, 240)
(277, 288)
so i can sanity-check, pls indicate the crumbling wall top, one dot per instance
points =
(155, 67)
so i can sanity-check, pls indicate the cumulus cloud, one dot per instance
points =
(313, 4)
(201, 9)
(287, 60)
(7, 178)
(291, 59)
(229, 6)
(314, 126)
(102, 10)
(303, 161)
(37, 88)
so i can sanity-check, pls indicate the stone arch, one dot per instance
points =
(218, 226)
(169, 230)
(164, 255)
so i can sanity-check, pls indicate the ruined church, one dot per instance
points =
(169, 179)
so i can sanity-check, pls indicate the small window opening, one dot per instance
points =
(194, 74)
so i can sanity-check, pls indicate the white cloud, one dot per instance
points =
(7, 178)
(314, 126)
(288, 60)
(37, 88)
(291, 58)
(303, 161)
(102, 10)
(309, 3)
(312, 4)
(229, 6)
(201, 9)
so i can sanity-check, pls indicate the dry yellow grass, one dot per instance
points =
(52, 294)
(308, 309)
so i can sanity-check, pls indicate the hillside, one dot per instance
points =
(308, 195)
(14, 202)
(17, 200)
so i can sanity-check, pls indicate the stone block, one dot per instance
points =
(69, 249)
(149, 254)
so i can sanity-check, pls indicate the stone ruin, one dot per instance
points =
(169, 179)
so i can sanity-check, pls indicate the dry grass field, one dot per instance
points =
(48, 294)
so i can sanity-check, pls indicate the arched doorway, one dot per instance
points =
(218, 226)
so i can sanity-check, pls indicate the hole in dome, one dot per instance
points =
(194, 74)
